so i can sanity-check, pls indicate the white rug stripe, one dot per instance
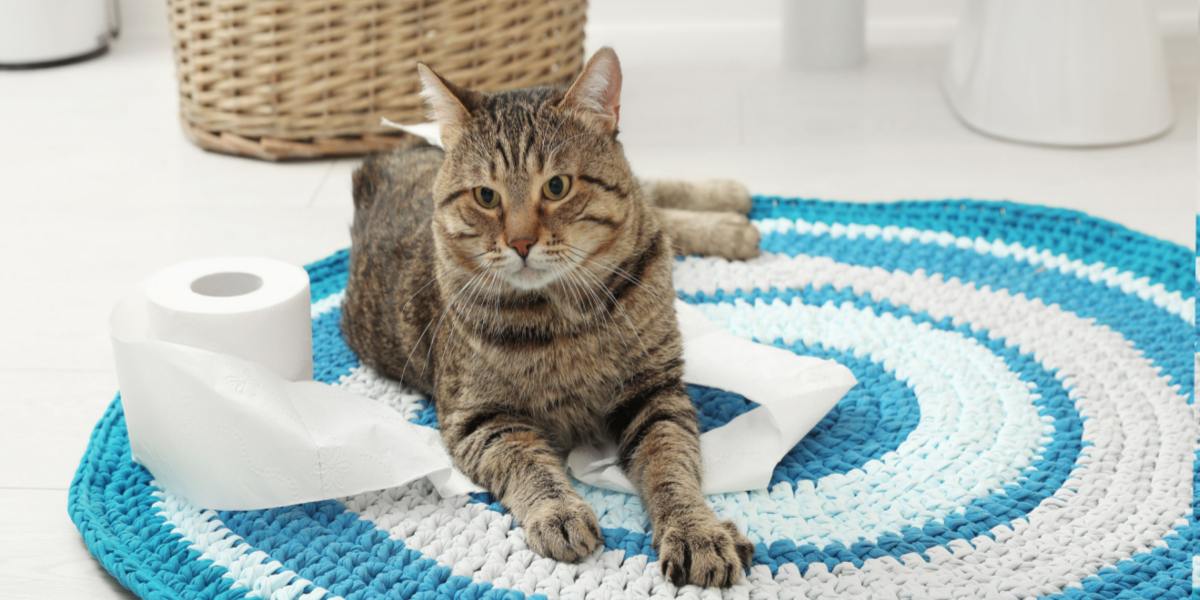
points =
(254, 570)
(1097, 272)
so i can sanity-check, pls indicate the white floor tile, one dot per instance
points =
(46, 423)
(41, 553)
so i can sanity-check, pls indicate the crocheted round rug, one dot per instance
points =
(1023, 427)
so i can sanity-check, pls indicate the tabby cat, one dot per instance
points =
(522, 278)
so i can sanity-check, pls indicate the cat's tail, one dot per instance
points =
(367, 179)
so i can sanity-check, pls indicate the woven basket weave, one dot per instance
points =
(278, 79)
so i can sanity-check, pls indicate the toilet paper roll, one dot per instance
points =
(256, 309)
(213, 359)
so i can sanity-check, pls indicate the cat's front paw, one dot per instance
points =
(565, 530)
(734, 237)
(710, 553)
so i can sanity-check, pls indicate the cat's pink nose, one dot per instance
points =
(522, 246)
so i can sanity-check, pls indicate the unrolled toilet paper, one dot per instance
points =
(214, 360)
(214, 363)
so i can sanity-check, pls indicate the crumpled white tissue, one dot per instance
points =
(215, 369)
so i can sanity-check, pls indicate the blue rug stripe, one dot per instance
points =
(1163, 337)
(329, 275)
(332, 358)
(1054, 229)
(350, 557)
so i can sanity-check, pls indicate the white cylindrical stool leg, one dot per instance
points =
(823, 34)
(1060, 72)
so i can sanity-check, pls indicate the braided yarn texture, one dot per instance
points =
(1023, 427)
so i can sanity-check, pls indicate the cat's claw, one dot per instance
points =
(710, 554)
(565, 530)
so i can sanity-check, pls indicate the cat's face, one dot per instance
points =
(534, 184)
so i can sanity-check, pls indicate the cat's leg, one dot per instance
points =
(723, 234)
(513, 460)
(659, 449)
(717, 195)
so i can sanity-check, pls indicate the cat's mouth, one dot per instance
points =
(529, 277)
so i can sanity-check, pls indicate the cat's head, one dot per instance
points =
(534, 183)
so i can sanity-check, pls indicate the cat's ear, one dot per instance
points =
(596, 93)
(449, 105)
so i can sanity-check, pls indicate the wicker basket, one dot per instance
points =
(278, 79)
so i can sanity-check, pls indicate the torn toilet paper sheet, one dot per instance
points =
(793, 394)
(219, 408)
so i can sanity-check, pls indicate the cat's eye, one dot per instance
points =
(557, 187)
(486, 197)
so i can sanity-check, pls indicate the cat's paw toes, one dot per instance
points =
(725, 195)
(565, 530)
(736, 238)
(706, 554)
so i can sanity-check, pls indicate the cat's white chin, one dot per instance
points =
(530, 278)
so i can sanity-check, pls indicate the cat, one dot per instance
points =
(522, 278)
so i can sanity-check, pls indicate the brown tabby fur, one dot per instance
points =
(526, 365)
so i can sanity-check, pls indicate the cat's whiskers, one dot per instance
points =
(417, 344)
(617, 305)
(432, 280)
(606, 265)
(471, 304)
(597, 309)
(583, 257)
(495, 305)
(474, 285)
(563, 276)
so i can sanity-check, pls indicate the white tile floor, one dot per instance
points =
(98, 188)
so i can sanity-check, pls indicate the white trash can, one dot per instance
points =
(1060, 72)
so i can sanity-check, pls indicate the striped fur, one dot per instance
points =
(527, 357)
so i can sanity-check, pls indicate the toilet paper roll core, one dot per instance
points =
(226, 284)
(254, 308)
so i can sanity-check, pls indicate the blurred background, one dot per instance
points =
(101, 187)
